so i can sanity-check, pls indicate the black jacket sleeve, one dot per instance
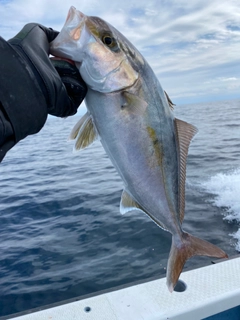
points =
(22, 102)
(7, 140)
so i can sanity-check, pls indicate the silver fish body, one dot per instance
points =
(130, 112)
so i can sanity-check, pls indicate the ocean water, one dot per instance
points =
(61, 233)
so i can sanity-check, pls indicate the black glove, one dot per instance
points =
(32, 44)
(31, 87)
(72, 80)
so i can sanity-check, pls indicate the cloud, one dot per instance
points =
(191, 45)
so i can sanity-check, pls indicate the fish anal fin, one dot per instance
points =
(84, 132)
(184, 132)
(189, 247)
(128, 203)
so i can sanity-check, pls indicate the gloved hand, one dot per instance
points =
(31, 86)
(72, 80)
(63, 90)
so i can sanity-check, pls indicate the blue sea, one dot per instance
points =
(61, 233)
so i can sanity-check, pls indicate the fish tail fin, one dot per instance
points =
(181, 251)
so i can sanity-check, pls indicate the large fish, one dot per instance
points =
(129, 111)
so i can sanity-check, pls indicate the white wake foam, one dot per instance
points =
(226, 187)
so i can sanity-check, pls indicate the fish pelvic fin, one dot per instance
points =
(84, 132)
(78, 126)
(180, 252)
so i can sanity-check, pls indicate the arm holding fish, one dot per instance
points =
(33, 86)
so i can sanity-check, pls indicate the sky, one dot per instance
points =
(192, 46)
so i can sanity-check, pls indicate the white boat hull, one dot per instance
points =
(209, 290)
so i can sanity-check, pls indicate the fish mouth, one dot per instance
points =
(75, 17)
(72, 29)
(64, 59)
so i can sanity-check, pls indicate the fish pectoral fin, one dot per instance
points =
(133, 103)
(84, 132)
(185, 132)
(128, 204)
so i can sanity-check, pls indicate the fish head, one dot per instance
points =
(105, 58)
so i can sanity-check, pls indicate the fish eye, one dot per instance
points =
(109, 41)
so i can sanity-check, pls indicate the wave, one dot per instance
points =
(226, 188)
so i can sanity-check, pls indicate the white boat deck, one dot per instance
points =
(210, 290)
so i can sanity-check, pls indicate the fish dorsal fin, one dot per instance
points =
(128, 204)
(185, 133)
(84, 132)
(170, 103)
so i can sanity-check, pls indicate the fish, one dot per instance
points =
(132, 115)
